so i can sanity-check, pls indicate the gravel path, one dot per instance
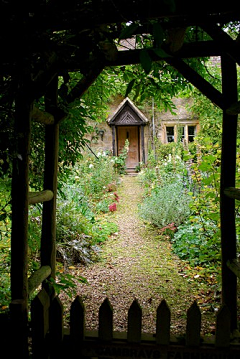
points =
(137, 262)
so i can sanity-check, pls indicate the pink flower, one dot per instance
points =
(112, 207)
(116, 196)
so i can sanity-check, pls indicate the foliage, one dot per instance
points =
(81, 228)
(120, 160)
(167, 199)
(87, 193)
(5, 245)
(166, 204)
(5, 295)
(197, 243)
(198, 239)
(66, 282)
(182, 189)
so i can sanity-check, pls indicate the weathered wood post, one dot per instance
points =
(143, 144)
(227, 204)
(19, 236)
(48, 240)
(114, 140)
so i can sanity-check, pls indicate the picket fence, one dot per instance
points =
(51, 340)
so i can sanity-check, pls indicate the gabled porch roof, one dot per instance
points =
(127, 114)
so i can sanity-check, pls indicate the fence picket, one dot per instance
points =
(40, 324)
(223, 327)
(56, 327)
(105, 321)
(134, 323)
(50, 343)
(163, 323)
(77, 320)
(193, 328)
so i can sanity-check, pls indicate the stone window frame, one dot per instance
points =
(176, 125)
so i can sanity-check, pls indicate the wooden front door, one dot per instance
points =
(132, 134)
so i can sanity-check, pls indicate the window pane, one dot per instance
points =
(191, 133)
(170, 134)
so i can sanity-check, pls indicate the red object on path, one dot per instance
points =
(112, 207)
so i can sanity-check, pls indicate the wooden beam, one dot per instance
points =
(42, 116)
(228, 170)
(84, 84)
(37, 278)
(45, 76)
(201, 49)
(20, 178)
(228, 45)
(107, 12)
(198, 81)
(234, 109)
(232, 192)
(234, 265)
(39, 197)
(48, 240)
(128, 57)
(19, 235)
(19, 330)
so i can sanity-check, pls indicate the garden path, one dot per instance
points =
(137, 262)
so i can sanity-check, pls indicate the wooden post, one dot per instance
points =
(227, 205)
(48, 241)
(143, 144)
(113, 141)
(19, 237)
(40, 325)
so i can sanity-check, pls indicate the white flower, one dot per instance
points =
(91, 165)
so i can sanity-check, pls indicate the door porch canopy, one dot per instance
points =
(127, 114)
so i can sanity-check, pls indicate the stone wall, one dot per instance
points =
(157, 123)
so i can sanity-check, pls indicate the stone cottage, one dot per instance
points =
(140, 127)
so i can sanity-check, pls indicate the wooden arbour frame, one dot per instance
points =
(47, 84)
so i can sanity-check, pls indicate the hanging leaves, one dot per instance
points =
(145, 60)
(129, 87)
(158, 34)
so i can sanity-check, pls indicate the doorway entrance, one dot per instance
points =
(130, 133)
(128, 123)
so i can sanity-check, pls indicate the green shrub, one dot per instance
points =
(103, 230)
(164, 150)
(166, 204)
(166, 196)
(198, 244)
(84, 191)
(120, 160)
(87, 192)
